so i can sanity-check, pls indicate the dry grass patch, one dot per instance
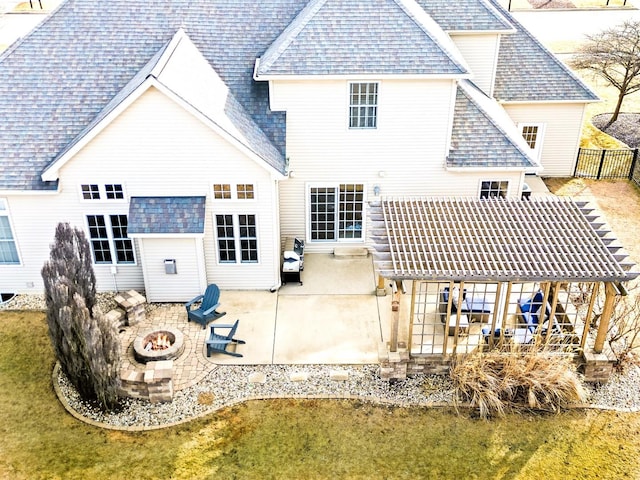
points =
(500, 380)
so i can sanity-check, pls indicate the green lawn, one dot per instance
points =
(292, 439)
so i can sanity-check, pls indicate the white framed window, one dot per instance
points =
(237, 238)
(494, 189)
(238, 191)
(8, 249)
(90, 191)
(222, 191)
(100, 191)
(336, 212)
(109, 240)
(245, 191)
(533, 134)
(114, 191)
(363, 105)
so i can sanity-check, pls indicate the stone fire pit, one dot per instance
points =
(164, 343)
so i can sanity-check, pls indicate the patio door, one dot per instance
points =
(336, 212)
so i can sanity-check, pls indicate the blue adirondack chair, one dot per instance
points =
(207, 311)
(217, 343)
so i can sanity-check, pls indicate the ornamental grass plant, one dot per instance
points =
(514, 379)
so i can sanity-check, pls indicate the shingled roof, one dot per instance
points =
(528, 72)
(60, 79)
(342, 37)
(466, 16)
(483, 135)
(184, 74)
(494, 240)
(166, 215)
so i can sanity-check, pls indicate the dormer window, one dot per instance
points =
(363, 105)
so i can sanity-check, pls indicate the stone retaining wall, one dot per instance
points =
(154, 384)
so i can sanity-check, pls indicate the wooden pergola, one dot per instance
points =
(546, 239)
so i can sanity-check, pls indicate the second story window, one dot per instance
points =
(363, 105)
(533, 133)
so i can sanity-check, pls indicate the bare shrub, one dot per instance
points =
(500, 380)
(85, 343)
(624, 329)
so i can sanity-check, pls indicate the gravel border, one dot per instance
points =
(229, 385)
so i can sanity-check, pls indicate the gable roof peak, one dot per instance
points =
(378, 37)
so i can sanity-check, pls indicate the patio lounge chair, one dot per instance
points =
(529, 313)
(217, 343)
(476, 308)
(207, 311)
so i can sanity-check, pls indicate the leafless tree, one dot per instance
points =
(614, 55)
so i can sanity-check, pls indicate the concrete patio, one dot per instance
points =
(333, 318)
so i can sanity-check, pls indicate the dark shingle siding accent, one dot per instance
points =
(166, 215)
(476, 141)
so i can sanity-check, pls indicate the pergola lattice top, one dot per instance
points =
(494, 240)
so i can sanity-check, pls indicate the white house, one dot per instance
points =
(187, 139)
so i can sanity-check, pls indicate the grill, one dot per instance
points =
(293, 260)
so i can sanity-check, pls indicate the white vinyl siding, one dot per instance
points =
(561, 140)
(182, 286)
(481, 54)
(404, 155)
(154, 138)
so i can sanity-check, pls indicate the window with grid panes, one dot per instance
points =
(109, 241)
(350, 207)
(226, 239)
(122, 244)
(363, 105)
(99, 239)
(491, 189)
(114, 191)
(248, 238)
(8, 249)
(245, 191)
(222, 191)
(530, 134)
(336, 213)
(90, 192)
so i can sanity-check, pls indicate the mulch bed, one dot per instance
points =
(626, 128)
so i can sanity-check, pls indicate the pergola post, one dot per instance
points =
(395, 319)
(605, 318)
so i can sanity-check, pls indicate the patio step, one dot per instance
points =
(350, 252)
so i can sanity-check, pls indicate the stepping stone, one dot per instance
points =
(258, 377)
(299, 376)
(339, 375)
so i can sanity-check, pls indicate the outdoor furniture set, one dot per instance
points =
(530, 320)
(216, 342)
